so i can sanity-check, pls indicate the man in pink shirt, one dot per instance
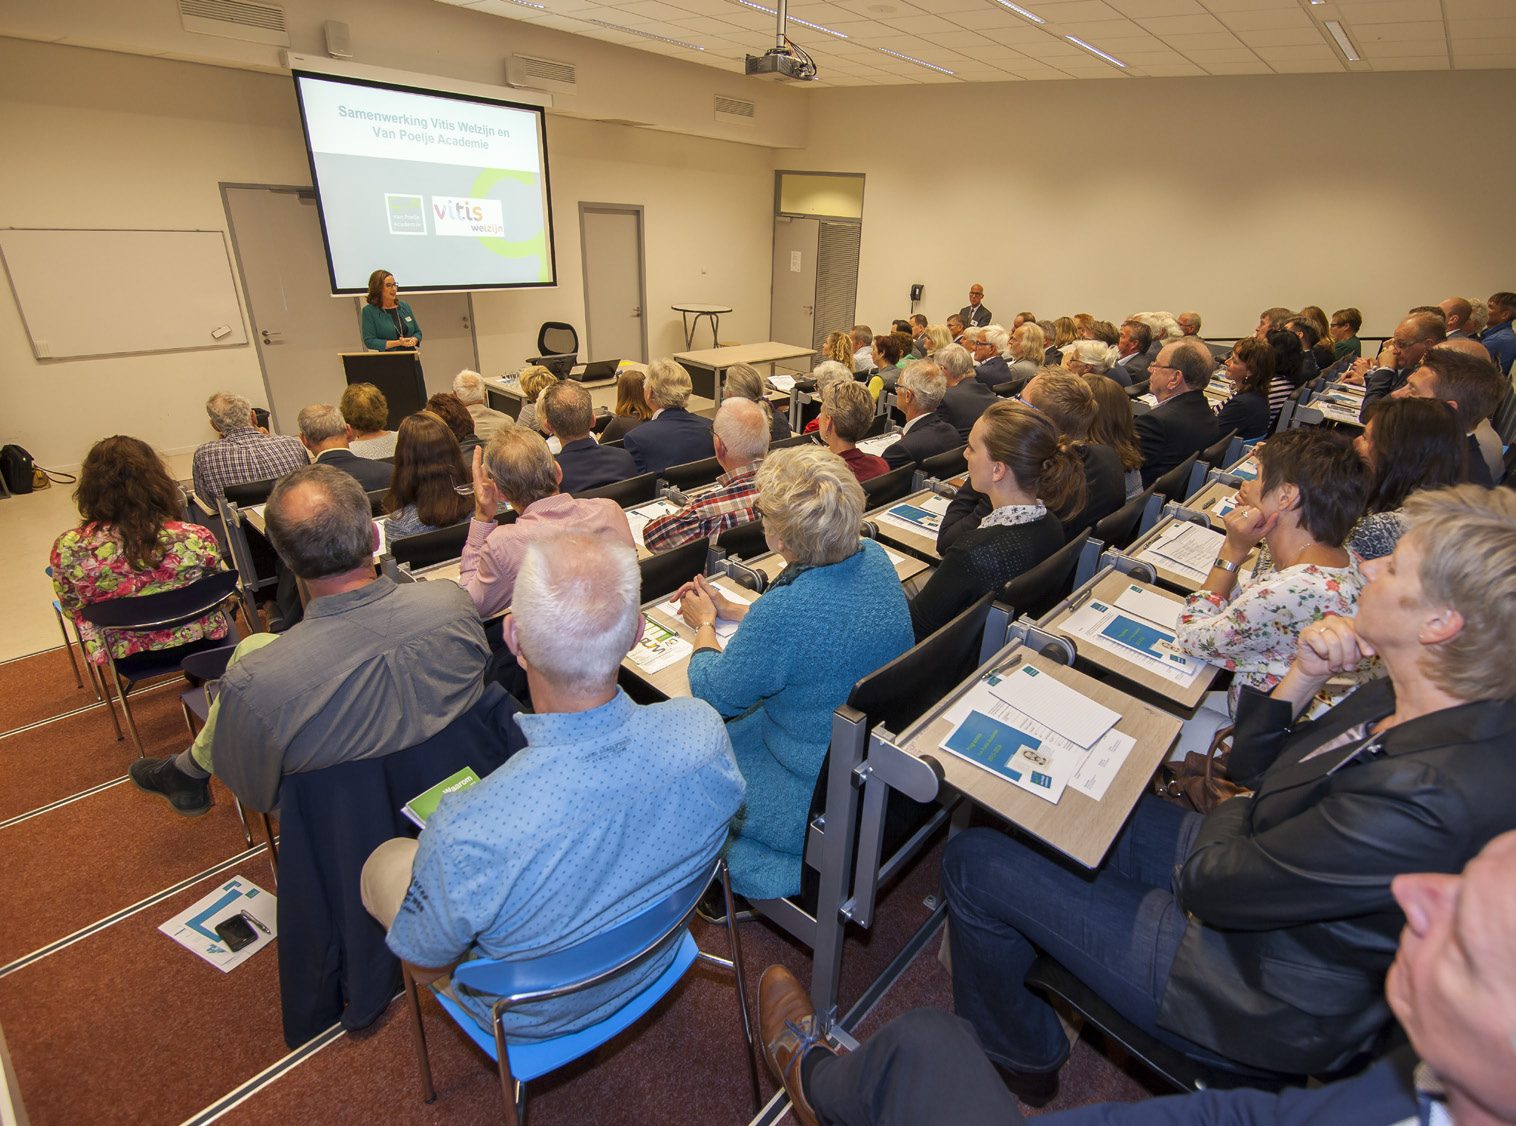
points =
(516, 467)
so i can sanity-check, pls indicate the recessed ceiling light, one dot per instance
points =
(788, 18)
(529, 4)
(646, 34)
(1342, 40)
(1020, 11)
(1094, 51)
(918, 62)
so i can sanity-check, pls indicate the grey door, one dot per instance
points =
(792, 309)
(615, 324)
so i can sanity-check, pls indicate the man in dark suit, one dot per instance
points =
(974, 314)
(1132, 345)
(928, 1065)
(568, 412)
(986, 346)
(1182, 423)
(673, 435)
(919, 394)
(966, 398)
(1400, 356)
(325, 435)
(1462, 375)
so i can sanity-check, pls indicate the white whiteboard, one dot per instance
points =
(101, 293)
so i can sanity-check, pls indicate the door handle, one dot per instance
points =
(267, 334)
(809, 309)
(637, 312)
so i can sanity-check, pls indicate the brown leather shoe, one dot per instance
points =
(787, 1023)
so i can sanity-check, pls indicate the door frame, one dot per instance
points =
(247, 301)
(584, 265)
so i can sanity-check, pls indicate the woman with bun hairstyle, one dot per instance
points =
(1032, 477)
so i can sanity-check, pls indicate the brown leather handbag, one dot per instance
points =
(1200, 783)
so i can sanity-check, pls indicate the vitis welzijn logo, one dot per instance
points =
(457, 215)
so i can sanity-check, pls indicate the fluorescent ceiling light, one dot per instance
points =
(646, 34)
(1342, 40)
(1020, 11)
(918, 62)
(770, 11)
(1094, 51)
(529, 4)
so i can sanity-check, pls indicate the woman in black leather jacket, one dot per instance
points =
(1259, 935)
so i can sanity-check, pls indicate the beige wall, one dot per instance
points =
(1177, 193)
(101, 139)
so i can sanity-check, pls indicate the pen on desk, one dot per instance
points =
(256, 922)
(1005, 668)
(1081, 599)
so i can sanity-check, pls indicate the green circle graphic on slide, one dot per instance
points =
(523, 184)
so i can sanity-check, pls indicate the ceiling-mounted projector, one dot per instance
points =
(780, 64)
(783, 62)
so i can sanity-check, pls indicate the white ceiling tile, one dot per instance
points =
(959, 39)
(1482, 29)
(1278, 56)
(1282, 37)
(918, 25)
(1257, 66)
(1183, 25)
(1173, 70)
(1399, 49)
(1389, 11)
(1486, 62)
(1156, 9)
(1219, 6)
(1415, 62)
(1206, 42)
(1267, 19)
(1493, 45)
(1307, 66)
(654, 9)
(1476, 9)
(1105, 29)
(1222, 55)
(1069, 11)
(1429, 33)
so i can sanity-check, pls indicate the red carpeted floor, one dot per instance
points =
(126, 1026)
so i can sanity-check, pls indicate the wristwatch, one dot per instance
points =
(1226, 565)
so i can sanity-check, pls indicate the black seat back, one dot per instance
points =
(793, 440)
(666, 572)
(632, 491)
(693, 474)
(947, 464)
(888, 487)
(249, 492)
(557, 338)
(744, 541)
(1173, 484)
(880, 424)
(1120, 527)
(1037, 591)
(1212, 455)
(426, 548)
(376, 503)
(1011, 389)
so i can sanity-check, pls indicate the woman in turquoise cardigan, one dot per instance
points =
(388, 323)
(835, 614)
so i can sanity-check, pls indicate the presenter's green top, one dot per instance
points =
(380, 325)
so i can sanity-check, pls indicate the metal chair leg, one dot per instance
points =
(273, 846)
(428, 1092)
(737, 970)
(247, 832)
(103, 691)
(126, 709)
(68, 646)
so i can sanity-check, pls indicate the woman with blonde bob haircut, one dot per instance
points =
(534, 381)
(835, 614)
(1032, 476)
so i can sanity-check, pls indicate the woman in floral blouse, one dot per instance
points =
(132, 542)
(1309, 490)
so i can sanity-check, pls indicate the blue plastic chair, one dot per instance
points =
(580, 967)
(144, 613)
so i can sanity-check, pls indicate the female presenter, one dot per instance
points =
(388, 323)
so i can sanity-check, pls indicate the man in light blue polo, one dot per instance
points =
(609, 808)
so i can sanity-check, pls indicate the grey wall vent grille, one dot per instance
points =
(236, 19)
(549, 75)
(736, 111)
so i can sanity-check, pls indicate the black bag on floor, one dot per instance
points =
(16, 469)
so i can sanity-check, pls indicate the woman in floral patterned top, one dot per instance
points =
(1309, 489)
(132, 542)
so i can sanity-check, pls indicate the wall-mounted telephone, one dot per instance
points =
(916, 291)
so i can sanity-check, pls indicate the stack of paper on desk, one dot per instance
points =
(924, 519)
(659, 647)
(643, 515)
(1038, 733)
(1185, 549)
(724, 628)
(877, 446)
(1140, 628)
(781, 382)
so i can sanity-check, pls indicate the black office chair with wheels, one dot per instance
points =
(1120, 528)
(558, 338)
(744, 541)
(147, 613)
(892, 696)
(666, 572)
(426, 548)
(1037, 591)
(947, 464)
(692, 474)
(629, 493)
(888, 487)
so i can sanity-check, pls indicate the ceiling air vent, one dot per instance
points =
(548, 75)
(236, 19)
(736, 111)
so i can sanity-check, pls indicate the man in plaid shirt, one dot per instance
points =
(244, 453)
(741, 439)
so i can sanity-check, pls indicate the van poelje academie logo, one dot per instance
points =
(407, 214)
